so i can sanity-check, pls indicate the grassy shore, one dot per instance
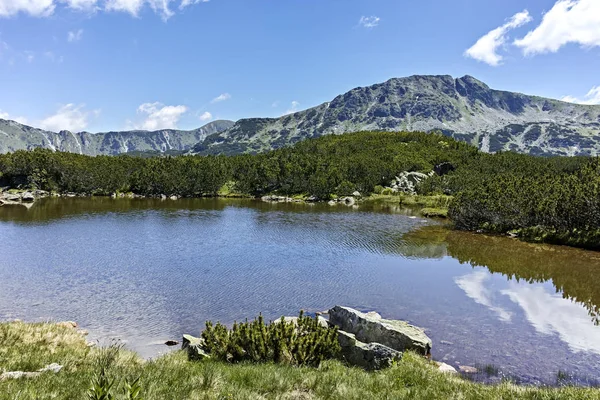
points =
(29, 347)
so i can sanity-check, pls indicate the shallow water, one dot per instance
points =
(144, 271)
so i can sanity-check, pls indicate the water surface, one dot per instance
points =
(144, 271)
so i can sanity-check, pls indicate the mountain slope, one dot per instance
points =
(16, 136)
(464, 108)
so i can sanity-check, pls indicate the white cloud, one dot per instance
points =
(206, 116)
(550, 313)
(69, 117)
(486, 48)
(293, 108)
(569, 21)
(592, 97)
(474, 286)
(159, 116)
(275, 104)
(35, 8)
(185, 3)
(221, 97)
(82, 5)
(29, 56)
(369, 22)
(5, 115)
(75, 36)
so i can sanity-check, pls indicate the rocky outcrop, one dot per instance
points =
(370, 356)
(194, 347)
(371, 328)
(407, 182)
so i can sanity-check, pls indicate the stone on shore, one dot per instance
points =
(194, 347)
(371, 328)
(446, 368)
(370, 356)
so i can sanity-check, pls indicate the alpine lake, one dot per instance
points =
(143, 271)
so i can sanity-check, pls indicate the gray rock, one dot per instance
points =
(399, 335)
(356, 194)
(446, 368)
(11, 197)
(194, 347)
(370, 356)
(322, 321)
(467, 369)
(21, 374)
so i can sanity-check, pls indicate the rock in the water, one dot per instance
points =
(446, 368)
(171, 343)
(68, 324)
(12, 197)
(28, 197)
(194, 347)
(467, 370)
(371, 356)
(399, 335)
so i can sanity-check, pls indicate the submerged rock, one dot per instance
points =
(398, 335)
(446, 368)
(370, 356)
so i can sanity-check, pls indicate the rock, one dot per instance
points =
(398, 335)
(446, 342)
(54, 367)
(356, 194)
(163, 197)
(194, 347)
(332, 202)
(41, 193)
(371, 356)
(171, 343)
(173, 197)
(443, 168)
(312, 199)
(349, 201)
(446, 368)
(467, 370)
(21, 374)
(322, 321)
(12, 197)
(68, 324)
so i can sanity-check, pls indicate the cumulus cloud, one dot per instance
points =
(569, 21)
(369, 22)
(69, 117)
(486, 48)
(221, 97)
(592, 97)
(206, 116)
(158, 116)
(474, 286)
(35, 8)
(75, 36)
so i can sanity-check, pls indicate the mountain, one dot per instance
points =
(16, 136)
(464, 108)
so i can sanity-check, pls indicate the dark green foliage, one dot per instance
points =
(303, 343)
(550, 199)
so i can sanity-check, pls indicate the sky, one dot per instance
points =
(100, 65)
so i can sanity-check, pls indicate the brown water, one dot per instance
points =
(144, 271)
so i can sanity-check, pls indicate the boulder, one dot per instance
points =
(356, 194)
(443, 168)
(194, 347)
(446, 368)
(370, 356)
(398, 335)
(322, 321)
(12, 197)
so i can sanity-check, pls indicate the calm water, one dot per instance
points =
(145, 271)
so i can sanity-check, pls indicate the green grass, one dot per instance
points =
(31, 346)
(435, 212)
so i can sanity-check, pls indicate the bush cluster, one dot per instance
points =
(304, 342)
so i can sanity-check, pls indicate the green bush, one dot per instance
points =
(304, 342)
(378, 189)
(387, 192)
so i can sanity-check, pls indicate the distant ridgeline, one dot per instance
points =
(463, 108)
(552, 199)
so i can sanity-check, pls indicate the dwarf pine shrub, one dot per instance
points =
(304, 342)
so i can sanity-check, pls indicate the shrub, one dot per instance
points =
(387, 191)
(378, 189)
(301, 342)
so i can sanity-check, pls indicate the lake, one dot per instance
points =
(144, 271)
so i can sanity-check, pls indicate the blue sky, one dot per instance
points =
(101, 65)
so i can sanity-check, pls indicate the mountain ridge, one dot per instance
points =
(464, 108)
(17, 136)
